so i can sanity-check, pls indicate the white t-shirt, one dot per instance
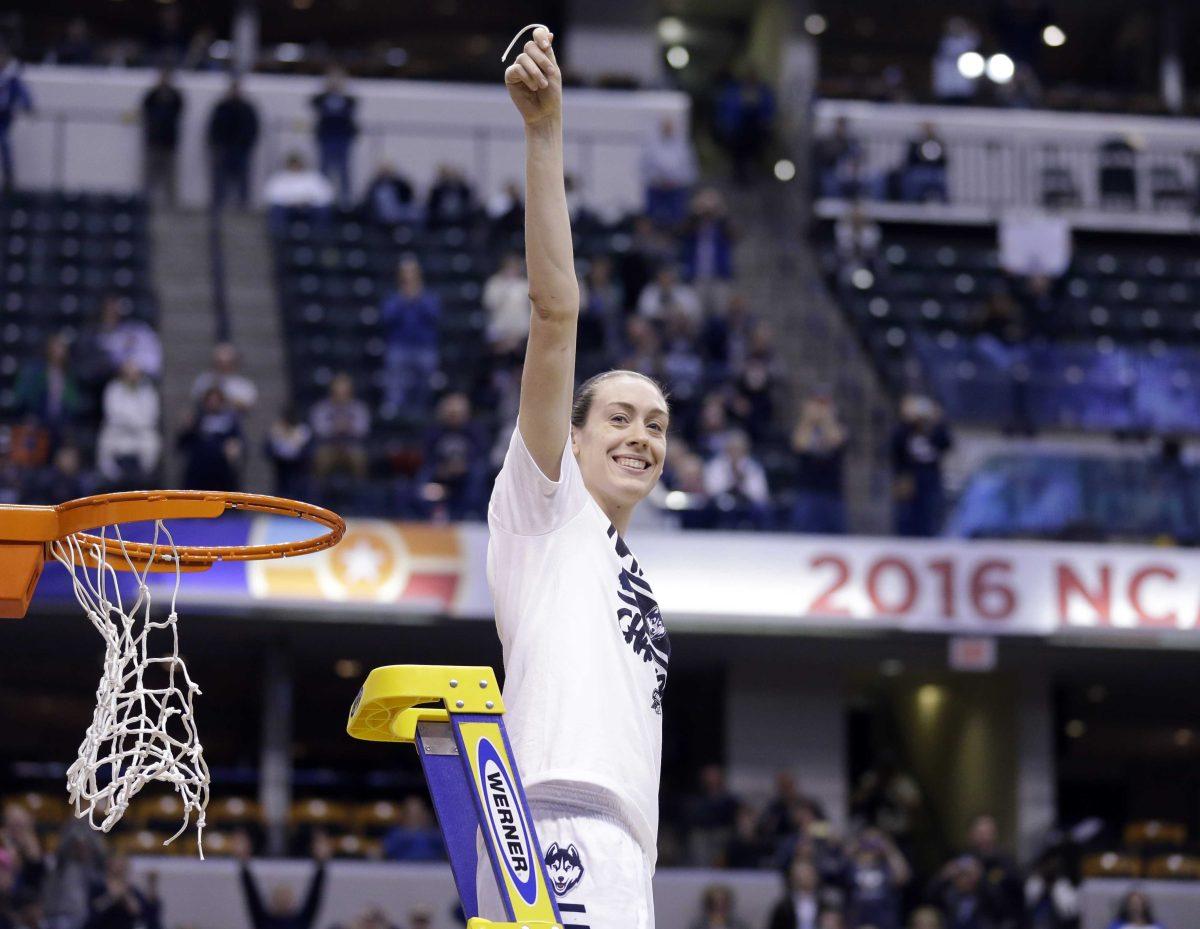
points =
(585, 649)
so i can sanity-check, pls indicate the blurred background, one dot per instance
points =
(922, 280)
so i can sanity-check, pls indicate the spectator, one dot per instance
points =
(950, 85)
(223, 374)
(390, 198)
(777, 818)
(819, 441)
(857, 237)
(417, 837)
(78, 868)
(76, 47)
(118, 904)
(451, 199)
(170, 38)
(665, 293)
(212, 441)
(19, 842)
(888, 799)
(643, 348)
(410, 317)
(923, 177)
(804, 899)
(1051, 898)
(755, 383)
(962, 896)
(708, 241)
(65, 479)
(877, 872)
(336, 130)
(296, 186)
(710, 816)
(649, 249)
(162, 107)
(840, 164)
(123, 338)
(340, 425)
(925, 917)
(419, 917)
(1135, 912)
(668, 173)
(506, 301)
(602, 312)
(279, 910)
(14, 97)
(682, 364)
(232, 135)
(745, 113)
(128, 446)
(506, 210)
(289, 449)
(454, 475)
(746, 849)
(919, 444)
(47, 390)
(999, 870)
(727, 337)
(717, 909)
(687, 470)
(712, 428)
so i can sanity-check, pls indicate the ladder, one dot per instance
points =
(472, 779)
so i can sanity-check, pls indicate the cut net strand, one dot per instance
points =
(141, 730)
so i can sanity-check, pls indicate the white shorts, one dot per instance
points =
(600, 876)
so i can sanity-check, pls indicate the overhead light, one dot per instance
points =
(676, 500)
(785, 169)
(220, 50)
(1054, 36)
(671, 30)
(1000, 68)
(971, 65)
(678, 57)
(891, 667)
(815, 24)
(1076, 728)
(289, 51)
(347, 668)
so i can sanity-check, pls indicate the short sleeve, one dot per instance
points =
(525, 501)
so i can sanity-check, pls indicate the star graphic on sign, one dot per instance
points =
(362, 562)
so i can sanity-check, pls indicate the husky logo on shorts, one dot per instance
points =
(565, 868)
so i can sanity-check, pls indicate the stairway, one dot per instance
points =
(187, 324)
(778, 271)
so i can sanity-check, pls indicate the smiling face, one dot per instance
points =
(622, 445)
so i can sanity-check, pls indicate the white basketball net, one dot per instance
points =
(143, 729)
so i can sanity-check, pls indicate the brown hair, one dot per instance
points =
(582, 404)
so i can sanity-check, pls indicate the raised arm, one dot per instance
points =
(547, 383)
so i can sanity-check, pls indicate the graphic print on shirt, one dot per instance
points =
(565, 867)
(640, 620)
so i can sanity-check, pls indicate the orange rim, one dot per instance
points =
(76, 516)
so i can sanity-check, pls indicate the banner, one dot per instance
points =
(717, 581)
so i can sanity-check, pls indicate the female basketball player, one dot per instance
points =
(585, 651)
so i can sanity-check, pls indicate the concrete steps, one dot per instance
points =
(183, 279)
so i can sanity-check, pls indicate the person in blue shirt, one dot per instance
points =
(14, 97)
(410, 317)
(336, 129)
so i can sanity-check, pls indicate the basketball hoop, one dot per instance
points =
(143, 728)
